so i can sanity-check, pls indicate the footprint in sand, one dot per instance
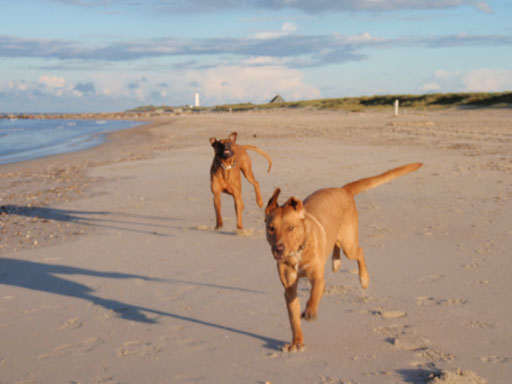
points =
(495, 359)
(394, 330)
(425, 301)
(88, 344)
(481, 324)
(85, 345)
(139, 348)
(410, 343)
(393, 314)
(446, 302)
(72, 323)
(435, 355)
(475, 263)
(331, 380)
(403, 337)
(456, 376)
(338, 290)
(194, 344)
(430, 278)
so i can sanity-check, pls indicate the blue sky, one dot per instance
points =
(111, 55)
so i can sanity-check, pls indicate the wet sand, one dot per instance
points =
(111, 271)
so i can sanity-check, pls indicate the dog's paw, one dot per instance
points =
(336, 265)
(294, 347)
(309, 315)
(364, 280)
(244, 232)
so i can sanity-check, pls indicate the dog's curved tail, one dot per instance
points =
(362, 185)
(256, 149)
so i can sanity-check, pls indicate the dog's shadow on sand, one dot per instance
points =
(47, 278)
(144, 224)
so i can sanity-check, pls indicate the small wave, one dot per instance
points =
(31, 139)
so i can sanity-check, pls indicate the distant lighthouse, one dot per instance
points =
(196, 104)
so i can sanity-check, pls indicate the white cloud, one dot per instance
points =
(286, 29)
(264, 61)
(52, 81)
(17, 85)
(476, 80)
(254, 80)
(255, 84)
(488, 80)
(430, 87)
(289, 27)
(484, 7)
(365, 37)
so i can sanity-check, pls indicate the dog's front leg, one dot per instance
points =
(239, 208)
(217, 206)
(290, 281)
(293, 306)
(317, 290)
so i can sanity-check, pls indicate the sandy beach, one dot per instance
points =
(111, 271)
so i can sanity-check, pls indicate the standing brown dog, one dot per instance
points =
(303, 234)
(231, 158)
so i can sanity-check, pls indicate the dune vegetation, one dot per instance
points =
(433, 100)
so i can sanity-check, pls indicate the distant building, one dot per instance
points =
(277, 99)
(196, 104)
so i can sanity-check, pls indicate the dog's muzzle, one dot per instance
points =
(227, 154)
(278, 252)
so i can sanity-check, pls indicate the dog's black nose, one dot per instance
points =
(279, 248)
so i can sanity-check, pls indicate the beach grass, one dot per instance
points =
(356, 104)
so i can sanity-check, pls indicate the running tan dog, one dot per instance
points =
(231, 158)
(302, 234)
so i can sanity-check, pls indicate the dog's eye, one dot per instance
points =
(271, 229)
(291, 228)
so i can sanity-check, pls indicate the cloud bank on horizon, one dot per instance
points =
(104, 55)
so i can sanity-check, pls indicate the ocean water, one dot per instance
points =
(22, 139)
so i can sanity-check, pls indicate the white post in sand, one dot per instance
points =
(396, 107)
(197, 100)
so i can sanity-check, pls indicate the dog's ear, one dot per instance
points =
(297, 205)
(213, 140)
(233, 136)
(272, 203)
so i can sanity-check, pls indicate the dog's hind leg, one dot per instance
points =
(336, 258)
(355, 252)
(348, 238)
